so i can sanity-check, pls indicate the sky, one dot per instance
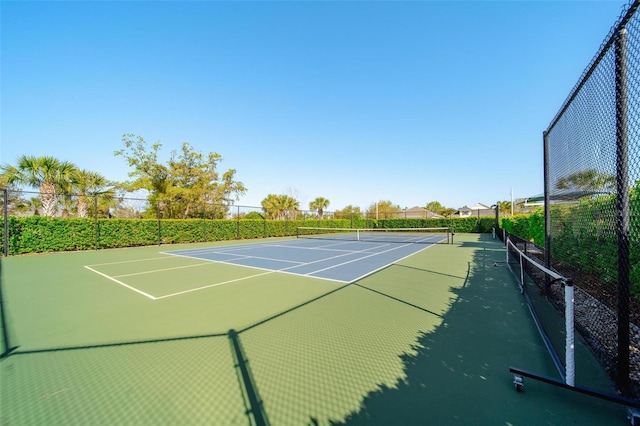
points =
(356, 102)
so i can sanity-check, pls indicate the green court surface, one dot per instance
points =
(133, 337)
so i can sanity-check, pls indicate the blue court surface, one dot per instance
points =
(343, 261)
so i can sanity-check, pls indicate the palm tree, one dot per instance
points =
(270, 205)
(278, 206)
(32, 205)
(320, 203)
(86, 184)
(289, 206)
(48, 174)
(504, 207)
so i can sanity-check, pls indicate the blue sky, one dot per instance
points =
(409, 102)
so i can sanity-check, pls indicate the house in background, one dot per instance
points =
(418, 213)
(477, 210)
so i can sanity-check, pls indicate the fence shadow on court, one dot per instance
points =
(460, 373)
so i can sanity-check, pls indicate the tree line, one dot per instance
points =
(188, 185)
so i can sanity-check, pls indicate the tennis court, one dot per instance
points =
(278, 331)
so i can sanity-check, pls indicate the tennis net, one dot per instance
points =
(550, 298)
(387, 235)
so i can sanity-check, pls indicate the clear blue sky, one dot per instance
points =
(353, 101)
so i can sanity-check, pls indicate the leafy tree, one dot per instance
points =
(279, 206)
(253, 216)
(319, 204)
(383, 209)
(349, 212)
(48, 174)
(188, 185)
(447, 211)
(436, 207)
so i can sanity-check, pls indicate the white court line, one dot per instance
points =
(320, 248)
(213, 285)
(162, 270)
(129, 261)
(221, 250)
(226, 262)
(238, 257)
(122, 284)
(260, 257)
(395, 261)
(358, 259)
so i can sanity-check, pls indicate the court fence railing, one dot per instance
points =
(594, 320)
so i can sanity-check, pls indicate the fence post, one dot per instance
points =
(547, 210)
(622, 207)
(5, 213)
(96, 224)
(239, 232)
(159, 226)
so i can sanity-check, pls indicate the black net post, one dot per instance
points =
(622, 207)
(239, 234)
(96, 224)
(159, 226)
(5, 215)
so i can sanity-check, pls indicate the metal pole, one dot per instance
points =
(238, 216)
(623, 223)
(5, 196)
(547, 210)
(96, 224)
(159, 226)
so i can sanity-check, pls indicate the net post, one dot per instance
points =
(506, 243)
(569, 299)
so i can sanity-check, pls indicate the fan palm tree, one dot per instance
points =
(504, 207)
(48, 174)
(319, 204)
(279, 206)
(86, 184)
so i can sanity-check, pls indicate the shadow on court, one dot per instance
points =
(426, 341)
(459, 374)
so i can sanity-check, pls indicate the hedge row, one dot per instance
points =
(527, 226)
(39, 234)
(584, 237)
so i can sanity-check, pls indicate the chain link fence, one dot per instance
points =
(592, 193)
(110, 220)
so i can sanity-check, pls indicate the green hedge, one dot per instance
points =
(39, 234)
(527, 226)
(462, 225)
(584, 237)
